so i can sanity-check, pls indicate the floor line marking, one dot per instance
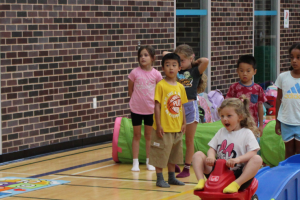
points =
(53, 158)
(15, 173)
(87, 171)
(177, 195)
(120, 188)
(86, 176)
(69, 168)
(111, 179)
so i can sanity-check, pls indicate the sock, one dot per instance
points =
(232, 188)
(177, 169)
(200, 185)
(135, 165)
(149, 167)
(185, 172)
(160, 182)
(173, 181)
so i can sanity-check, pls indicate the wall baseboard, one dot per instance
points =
(54, 147)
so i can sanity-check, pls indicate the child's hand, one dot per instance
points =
(160, 131)
(260, 128)
(277, 128)
(183, 128)
(210, 161)
(231, 162)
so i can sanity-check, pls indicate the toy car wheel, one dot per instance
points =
(254, 197)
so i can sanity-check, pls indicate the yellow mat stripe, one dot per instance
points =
(177, 195)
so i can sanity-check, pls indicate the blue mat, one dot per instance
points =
(10, 186)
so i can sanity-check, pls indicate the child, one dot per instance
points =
(235, 143)
(246, 69)
(169, 122)
(190, 77)
(288, 104)
(141, 87)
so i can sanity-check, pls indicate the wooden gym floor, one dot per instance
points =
(93, 175)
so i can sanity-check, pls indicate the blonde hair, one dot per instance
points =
(241, 107)
(185, 50)
(188, 52)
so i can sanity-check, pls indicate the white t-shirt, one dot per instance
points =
(233, 144)
(289, 111)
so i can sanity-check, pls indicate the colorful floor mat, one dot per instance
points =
(10, 186)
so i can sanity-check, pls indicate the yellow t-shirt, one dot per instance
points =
(171, 98)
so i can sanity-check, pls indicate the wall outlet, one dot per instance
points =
(94, 102)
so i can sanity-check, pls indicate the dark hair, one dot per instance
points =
(170, 56)
(294, 46)
(249, 59)
(150, 50)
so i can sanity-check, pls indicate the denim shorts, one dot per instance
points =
(290, 132)
(191, 112)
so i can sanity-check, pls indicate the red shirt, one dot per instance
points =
(254, 92)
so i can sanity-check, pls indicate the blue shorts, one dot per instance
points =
(191, 112)
(290, 132)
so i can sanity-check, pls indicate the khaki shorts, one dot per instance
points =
(167, 149)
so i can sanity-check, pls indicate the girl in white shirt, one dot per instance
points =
(235, 142)
(288, 104)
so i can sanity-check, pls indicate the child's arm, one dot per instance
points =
(278, 103)
(159, 129)
(211, 157)
(130, 87)
(241, 159)
(261, 118)
(184, 121)
(202, 64)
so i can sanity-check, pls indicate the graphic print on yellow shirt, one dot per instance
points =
(171, 98)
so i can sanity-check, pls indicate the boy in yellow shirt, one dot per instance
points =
(169, 122)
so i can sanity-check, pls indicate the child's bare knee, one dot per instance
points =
(257, 160)
(199, 155)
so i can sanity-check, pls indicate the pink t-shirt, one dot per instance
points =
(142, 98)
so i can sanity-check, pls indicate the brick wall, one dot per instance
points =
(231, 36)
(188, 27)
(57, 55)
(291, 35)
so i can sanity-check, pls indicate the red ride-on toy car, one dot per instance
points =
(219, 179)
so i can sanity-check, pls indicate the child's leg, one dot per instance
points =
(189, 141)
(160, 182)
(148, 130)
(249, 171)
(297, 146)
(172, 180)
(290, 148)
(136, 147)
(200, 168)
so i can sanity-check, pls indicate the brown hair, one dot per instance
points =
(202, 84)
(241, 107)
(150, 50)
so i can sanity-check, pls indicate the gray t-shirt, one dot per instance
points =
(190, 79)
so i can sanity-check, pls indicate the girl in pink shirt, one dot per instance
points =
(141, 87)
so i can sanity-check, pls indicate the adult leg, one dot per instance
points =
(147, 134)
(290, 148)
(249, 171)
(136, 147)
